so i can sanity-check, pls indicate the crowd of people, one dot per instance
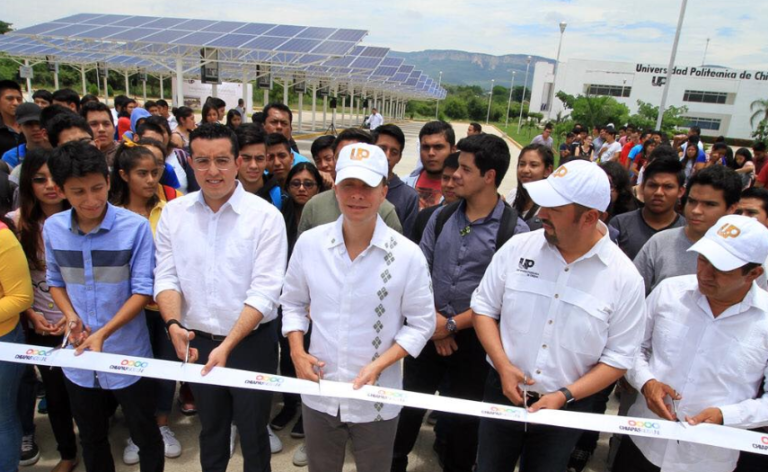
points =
(635, 267)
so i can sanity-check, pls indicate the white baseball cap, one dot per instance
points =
(733, 242)
(362, 161)
(577, 181)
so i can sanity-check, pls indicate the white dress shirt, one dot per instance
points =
(220, 261)
(558, 320)
(376, 121)
(358, 309)
(712, 362)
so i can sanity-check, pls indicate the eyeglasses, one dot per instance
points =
(203, 163)
(308, 184)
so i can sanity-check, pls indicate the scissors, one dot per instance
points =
(65, 341)
(525, 401)
(186, 356)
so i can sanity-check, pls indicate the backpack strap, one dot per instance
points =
(170, 192)
(277, 197)
(443, 216)
(507, 225)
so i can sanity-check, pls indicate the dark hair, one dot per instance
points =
(30, 213)
(249, 134)
(43, 94)
(126, 159)
(719, 147)
(570, 135)
(390, 130)
(309, 167)
(231, 114)
(744, 152)
(549, 126)
(162, 103)
(759, 193)
(67, 95)
(145, 126)
(276, 139)
(695, 129)
(661, 151)
(477, 127)
(320, 144)
(149, 104)
(48, 113)
(123, 112)
(438, 127)
(522, 198)
(665, 164)
(452, 161)
(96, 107)
(258, 118)
(215, 102)
(10, 84)
(749, 267)
(694, 140)
(610, 130)
(120, 101)
(277, 106)
(159, 122)
(88, 99)
(182, 112)
(491, 153)
(759, 146)
(620, 181)
(65, 121)
(76, 160)
(211, 131)
(352, 134)
(207, 107)
(719, 178)
(149, 142)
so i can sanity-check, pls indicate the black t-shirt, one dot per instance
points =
(634, 232)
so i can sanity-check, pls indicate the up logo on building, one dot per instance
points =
(728, 230)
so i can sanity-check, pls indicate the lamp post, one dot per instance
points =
(563, 24)
(671, 64)
(522, 100)
(437, 104)
(509, 102)
(490, 97)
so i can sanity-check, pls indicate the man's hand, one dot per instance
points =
(368, 376)
(39, 323)
(446, 346)
(217, 357)
(550, 401)
(180, 337)
(308, 367)
(94, 342)
(654, 393)
(441, 327)
(78, 333)
(511, 378)
(60, 327)
(327, 179)
(707, 415)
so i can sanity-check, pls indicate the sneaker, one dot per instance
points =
(131, 453)
(298, 429)
(283, 418)
(42, 406)
(30, 453)
(578, 461)
(432, 418)
(187, 401)
(275, 445)
(172, 445)
(232, 439)
(300, 456)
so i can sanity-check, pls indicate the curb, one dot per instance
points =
(507, 136)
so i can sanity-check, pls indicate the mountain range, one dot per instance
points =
(470, 68)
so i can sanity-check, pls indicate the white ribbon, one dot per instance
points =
(709, 434)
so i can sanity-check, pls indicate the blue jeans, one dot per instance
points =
(10, 425)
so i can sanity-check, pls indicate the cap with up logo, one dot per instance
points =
(362, 161)
(733, 242)
(577, 181)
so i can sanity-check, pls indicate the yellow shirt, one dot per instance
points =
(15, 282)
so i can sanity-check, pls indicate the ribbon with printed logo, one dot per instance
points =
(707, 434)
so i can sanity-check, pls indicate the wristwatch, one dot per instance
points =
(568, 395)
(169, 323)
(450, 325)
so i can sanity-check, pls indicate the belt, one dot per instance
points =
(219, 338)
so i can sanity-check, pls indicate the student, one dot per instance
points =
(474, 128)
(151, 107)
(280, 155)
(178, 173)
(545, 138)
(352, 253)
(436, 141)
(99, 118)
(185, 119)
(68, 127)
(10, 131)
(254, 174)
(278, 118)
(205, 240)
(68, 98)
(124, 118)
(610, 150)
(163, 110)
(535, 163)
(323, 154)
(16, 296)
(234, 119)
(391, 140)
(28, 118)
(622, 199)
(135, 184)
(448, 187)
(210, 113)
(42, 98)
(103, 308)
(41, 199)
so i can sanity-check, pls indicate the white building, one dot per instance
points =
(718, 99)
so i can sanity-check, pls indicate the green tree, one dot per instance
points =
(647, 114)
(455, 108)
(5, 27)
(517, 93)
(760, 111)
(567, 99)
(593, 110)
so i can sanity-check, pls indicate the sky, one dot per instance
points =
(631, 31)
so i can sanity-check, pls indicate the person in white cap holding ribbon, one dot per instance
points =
(560, 312)
(705, 351)
(360, 280)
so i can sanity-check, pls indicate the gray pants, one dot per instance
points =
(326, 442)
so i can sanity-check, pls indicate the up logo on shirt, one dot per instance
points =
(728, 231)
(358, 154)
(560, 172)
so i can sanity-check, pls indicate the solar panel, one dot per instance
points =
(105, 20)
(80, 18)
(71, 30)
(348, 35)
(224, 26)
(287, 31)
(197, 39)
(392, 61)
(163, 23)
(316, 33)
(133, 34)
(165, 36)
(385, 71)
(231, 40)
(407, 68)
(101, 32)
(40, 29)
(254, 28)
(134, 21)
(298, 45)
(365, 63)
(374, 52)
(265, 43)
(310, 59)
(193, 25)
(337, 48)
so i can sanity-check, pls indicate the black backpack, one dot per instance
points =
(7, 189)
(506, 227)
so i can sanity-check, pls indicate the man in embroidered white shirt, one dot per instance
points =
(705, 351)
(554, 332)
(360, 281)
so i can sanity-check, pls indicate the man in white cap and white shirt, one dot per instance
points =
(372, 280)
(560, 312)
(705, 351)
